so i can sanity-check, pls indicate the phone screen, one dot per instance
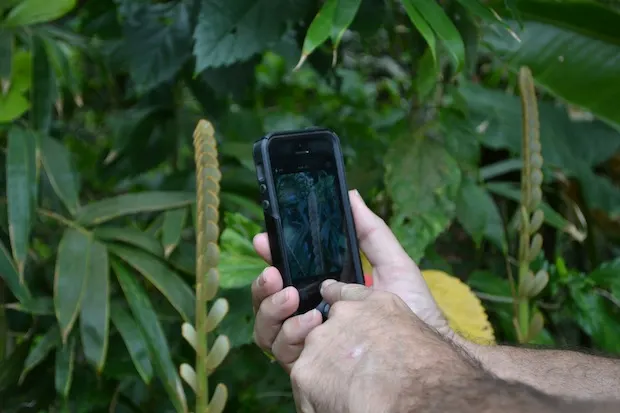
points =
(311, 212)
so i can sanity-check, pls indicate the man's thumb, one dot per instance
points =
(333, 291)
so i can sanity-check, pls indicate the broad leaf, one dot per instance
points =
(174, 222)
(131, 236)
(9, 274)
(572, 49)
(134, 340)
(157, 41)
(20, 191)
(95, 308)
(238, 265)
(149, 325)
(70, 278)
(238, 325)
(178, 293)
(56, 160)
(110, 208)
(29, 12)
(233, 31)
(479, 216)
(40, 350)
(423, 181)
(65, 360)
(43, 92)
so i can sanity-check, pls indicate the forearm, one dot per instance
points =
(555, 372)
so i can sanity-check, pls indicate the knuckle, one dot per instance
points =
(315, 336)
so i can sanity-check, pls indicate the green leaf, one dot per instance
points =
(422, 26)
(557, 221)
(12, 106)
(490, 283)
(131, 236)
(95, 308)
(157, 41)
(174, 223)
(65, 360)
(443, 27)
(134, 340)
(40, 349)
(110, 208)
(422, 180)
(479, 216)
(230, 32)
(319, 30)
(476, 8)
(29, 12)
(500, 168)
(70, 278)
(6, 54)
(162, 277)
(34, 306)
(43, 92)
(426, 76)
(593, 314)
(9, 274)
(343, 17)
(238, 325)
(56, 160)
(148, 322)
(20, 191)
(571, 48)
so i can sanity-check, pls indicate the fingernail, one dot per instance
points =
(261, 279)
(308, 317)
(326, 284)
(281, 297)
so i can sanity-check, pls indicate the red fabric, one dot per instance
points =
(368, 280)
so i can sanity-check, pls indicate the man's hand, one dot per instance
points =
(393, 271)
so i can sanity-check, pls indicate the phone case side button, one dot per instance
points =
(265, 204)
(260, 174)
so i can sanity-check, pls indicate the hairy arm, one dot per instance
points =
(555, 372)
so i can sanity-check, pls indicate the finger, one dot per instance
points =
(333, 291)
(289, 342)
(273, 311)
(261, 245)
(375, 238)
(266, 284)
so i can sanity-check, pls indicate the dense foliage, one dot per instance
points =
(98, 102)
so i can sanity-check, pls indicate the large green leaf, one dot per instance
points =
(157, 41)
(477, 213)
(29, 12)
(9, 274)
(572, 49)
(21, 191)
(43, 92)
(95, 308)
(134, 340)
(65, 361)
(40, 350)
(131, 236)
(233, 31)
(423, 181)
(110, 208)
(174, 222)
(70, 278)
(238, 325)
(148, 323)
(162, 277)
(56, 160)
(238, 265)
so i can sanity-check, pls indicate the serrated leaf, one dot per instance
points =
(95, 308)
(40, 349)
(422, 180)
(131, 236)
(157, 41)
(148, 323)
(107, 209)
(134, 341)
(230, 32)
(44, 88)
(65, 360)
(70, 277)
(21, 191)
(29, 12)
(9, 274)
(571, 49)
(174, 222)
(178, 293)
(56, 160)
(479, 216)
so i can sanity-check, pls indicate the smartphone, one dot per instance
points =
(308, 217)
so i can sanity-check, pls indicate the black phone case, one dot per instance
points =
(270, 207)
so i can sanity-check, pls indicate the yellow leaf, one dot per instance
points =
(461, 307)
